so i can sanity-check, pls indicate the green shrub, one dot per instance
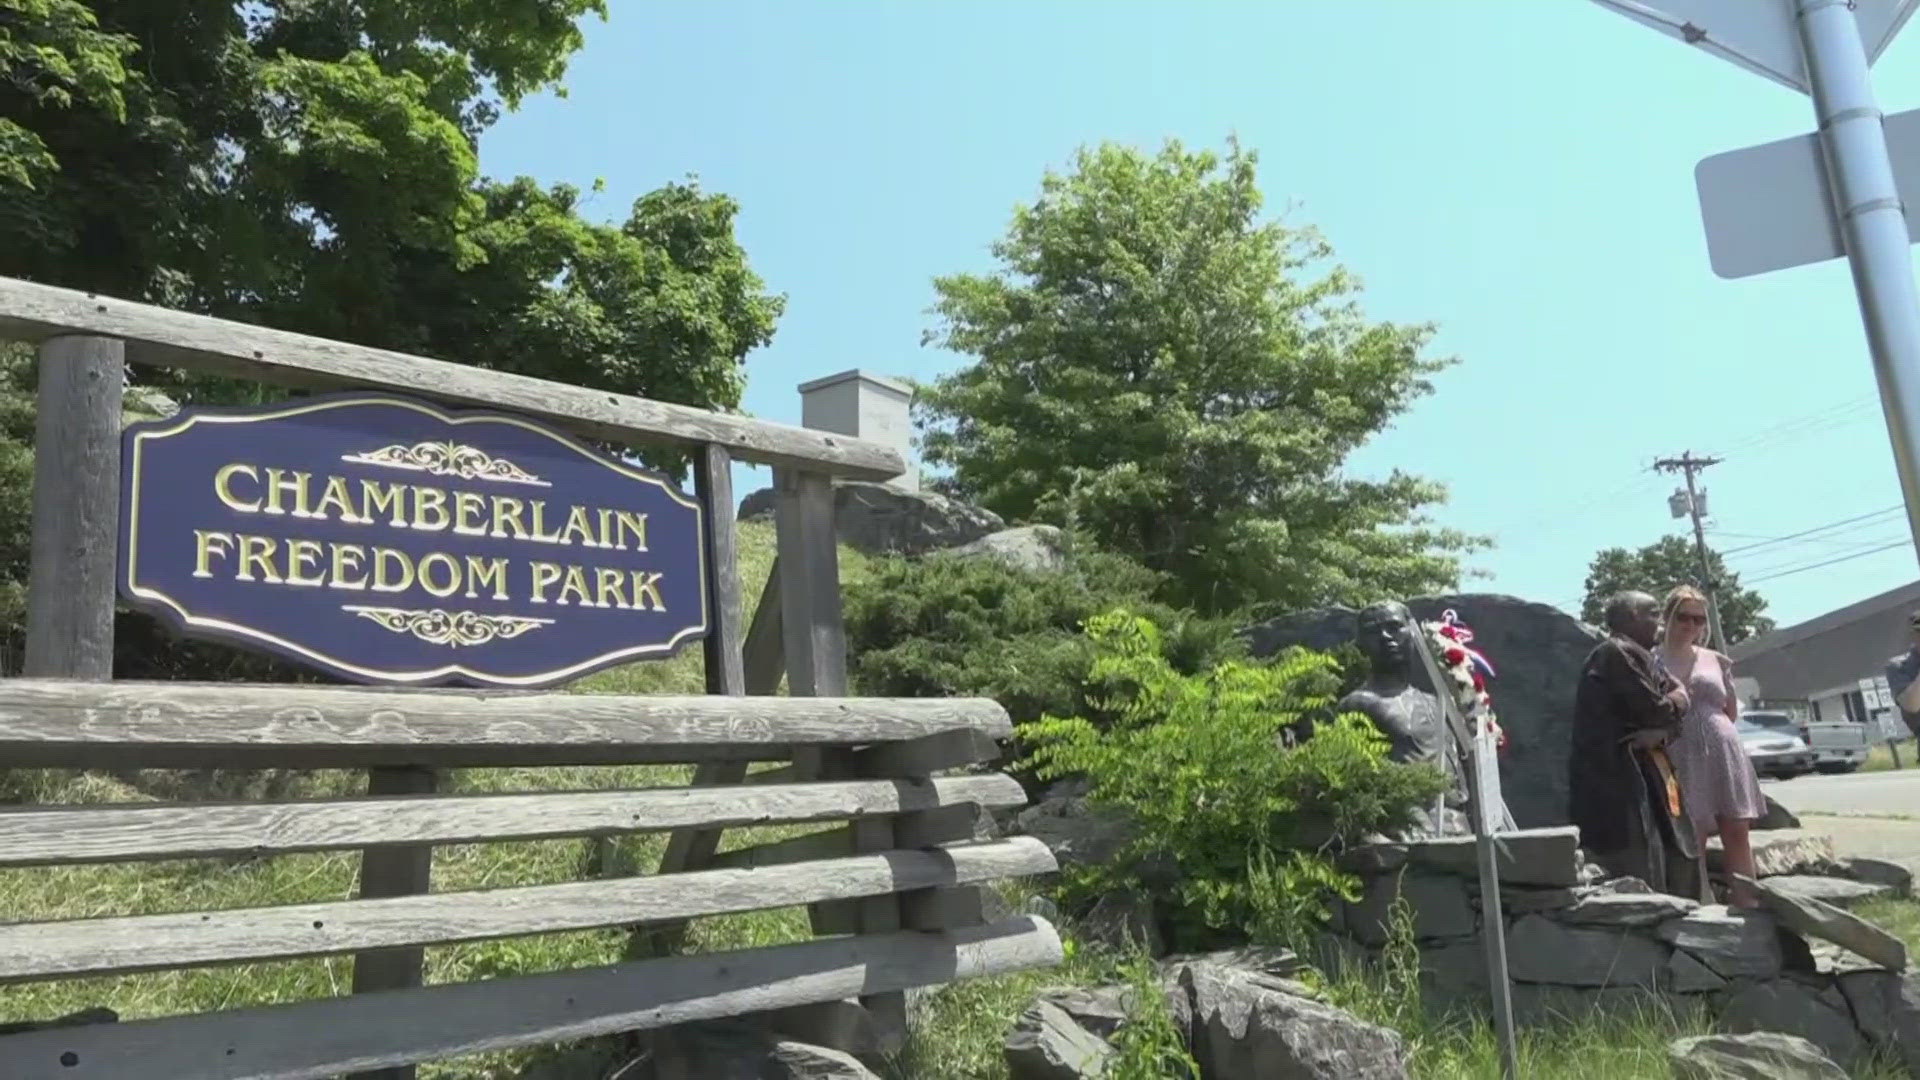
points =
(937, 627)
(1232, 829)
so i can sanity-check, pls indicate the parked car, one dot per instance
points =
(1838, 746)
(1775, 750)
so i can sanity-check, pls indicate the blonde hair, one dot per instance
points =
(1678, 595)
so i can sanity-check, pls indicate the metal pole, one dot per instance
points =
(1873, 223)
(1716, 638)
(1493, 922)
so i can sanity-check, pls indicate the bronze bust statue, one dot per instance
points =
(1410, 717)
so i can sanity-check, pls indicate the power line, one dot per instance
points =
(1828, 527)
(1829, 562)
(1791, 561)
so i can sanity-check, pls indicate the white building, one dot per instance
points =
(1831, 667)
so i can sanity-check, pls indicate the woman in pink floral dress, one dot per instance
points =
(1717, 781)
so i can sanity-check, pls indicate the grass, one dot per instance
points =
(1880, 759)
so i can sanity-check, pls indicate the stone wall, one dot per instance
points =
(1803, 965)
(1537, 651)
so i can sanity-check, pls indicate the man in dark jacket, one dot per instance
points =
(1623, 794)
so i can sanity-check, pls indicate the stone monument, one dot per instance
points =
(1411, 718)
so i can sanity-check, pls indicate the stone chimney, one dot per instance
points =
(865, 406)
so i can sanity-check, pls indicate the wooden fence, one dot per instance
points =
(893, 891)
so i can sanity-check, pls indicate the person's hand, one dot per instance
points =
(1678, 696)
(1648, 739)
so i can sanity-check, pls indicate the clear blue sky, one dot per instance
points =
(1517, 171)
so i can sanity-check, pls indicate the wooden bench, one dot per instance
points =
(897, 746)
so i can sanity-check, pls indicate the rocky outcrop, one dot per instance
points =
(1781, 851)
(1248, 1024)
(1762, 1055)
(1815, 918)
(879, 520)
(1049, 1044)
(1036, 548)
(1239, 1013)
(1538, 651)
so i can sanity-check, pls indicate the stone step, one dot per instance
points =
(1781, 851)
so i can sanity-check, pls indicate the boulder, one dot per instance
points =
(1898, 879)
(1817, 918)
(1776, 817)
(1626, 909)
(1048, 1044)
(1438, 905)
(1245, 1024)
(1536, 857)
(879, 520)
(1540, 950)
(1073, 830)
(1781, 851)
(1887, 1009)
(1838, 891)
(1763, 1055)
(1792, 1008)
(1735, 944)
(1040, 548)
(1538, 651)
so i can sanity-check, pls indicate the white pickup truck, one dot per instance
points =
(1838, 746)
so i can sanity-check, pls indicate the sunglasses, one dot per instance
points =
(1686, 618)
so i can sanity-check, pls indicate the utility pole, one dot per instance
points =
(1687, 465)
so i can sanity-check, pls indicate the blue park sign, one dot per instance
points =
(384, 540)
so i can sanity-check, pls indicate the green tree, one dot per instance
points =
(1663, 564)
(313, 165)
(1160, 369)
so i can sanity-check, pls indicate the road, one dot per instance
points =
(1875, 814)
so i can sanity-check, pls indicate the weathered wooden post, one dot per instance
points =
(76, 508)
(814, 638)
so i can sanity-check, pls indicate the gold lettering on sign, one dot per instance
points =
(383, 581)
(223, 487)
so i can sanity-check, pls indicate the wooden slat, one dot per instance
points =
(909, 758)
(933, 827)
(76, 509)
(151, 942)
(319, 1039)
(47, 723)
(927, 754)
(52, 836)
(167, 338)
